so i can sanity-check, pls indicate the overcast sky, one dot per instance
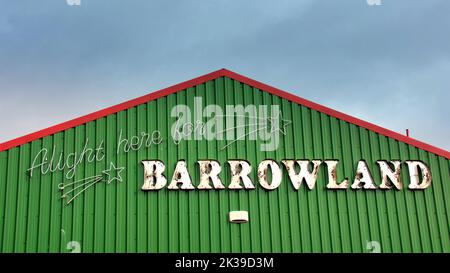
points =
(387, 64)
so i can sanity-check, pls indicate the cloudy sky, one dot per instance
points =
(387, 64)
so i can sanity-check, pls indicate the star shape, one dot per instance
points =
(282, 126)
(111, 177)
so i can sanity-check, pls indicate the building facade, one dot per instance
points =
(222, 163)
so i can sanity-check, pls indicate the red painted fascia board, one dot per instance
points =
(212, 76)
(338, 115)
(108, 111)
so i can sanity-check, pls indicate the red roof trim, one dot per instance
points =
(211, 76)
(108, 111)
(339, 115)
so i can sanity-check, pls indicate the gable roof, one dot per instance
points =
(208, 77)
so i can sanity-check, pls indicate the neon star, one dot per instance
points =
(111, 177)
(282, 127)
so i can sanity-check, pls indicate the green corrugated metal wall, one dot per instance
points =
(119, 217)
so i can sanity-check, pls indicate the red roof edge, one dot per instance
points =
(108, 111)
(211, 76)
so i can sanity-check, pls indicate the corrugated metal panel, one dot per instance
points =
(121, 218)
